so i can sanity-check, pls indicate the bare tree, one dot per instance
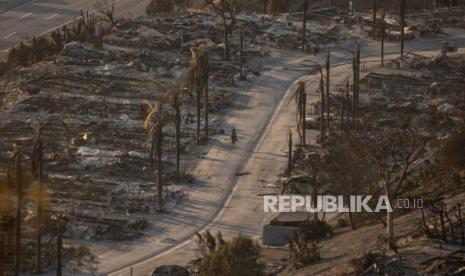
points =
(225, 9)
(107, 9)
(393, 156)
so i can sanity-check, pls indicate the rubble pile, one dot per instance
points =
(450, 17)
(97, 166)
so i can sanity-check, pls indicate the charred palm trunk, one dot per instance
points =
(59, 248)
(322, 111)
(402, 27)
(227, 54)
(347, 105)
(177, 122)
(19, 203)
(375, 11)
(2, 252)
(358, 76)
(38, 261)
(205, 87)
(159, 167)
(383, 33)
(199, 91)
(354, 87)
(303, 115)
(352, 223)
(289, 154)
(328, 68)
(242, 77)
(342, 116)
(304, 25)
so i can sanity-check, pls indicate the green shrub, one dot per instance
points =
(241, 256)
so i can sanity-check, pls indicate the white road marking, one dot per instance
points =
(10, 35)
(26, 15)
(52, 16)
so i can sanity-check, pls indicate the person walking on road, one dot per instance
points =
(233, 136)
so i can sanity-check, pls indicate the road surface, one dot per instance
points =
(39, 17)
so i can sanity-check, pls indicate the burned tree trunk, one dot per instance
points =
(2, 252)
(199, 91)
(402, 27)
(242, 77)
(304, 25)
(342, 115)
(328, 68)
(383, 34)
(227, 53)
(289, 154)
(375, 11)
(159, 168)
(206, 74)
(38, 171)
(304, 114)
(177, 122)
(354, 87)
(322, 111)
(59, 248)
(347, 105)
(19, 203)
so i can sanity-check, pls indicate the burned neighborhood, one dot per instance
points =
(198, 137)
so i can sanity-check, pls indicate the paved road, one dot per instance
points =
(38, 17)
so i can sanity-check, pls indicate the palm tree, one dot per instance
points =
(322, 96)
(174, 98)
(154, 123)
(38, 174)
(198, 82)
(300, 99)
(14, 168)
(7, 214)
